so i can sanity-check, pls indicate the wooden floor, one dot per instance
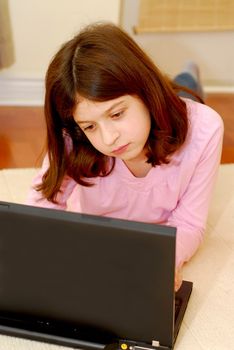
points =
(22, 132)
(224, 105)
(22, 136)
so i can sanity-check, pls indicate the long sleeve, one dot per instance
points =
(35, 197)
(191, 212)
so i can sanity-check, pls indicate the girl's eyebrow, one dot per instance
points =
(105, 112)
(114, 106)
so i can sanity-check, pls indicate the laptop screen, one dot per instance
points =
(87, 277)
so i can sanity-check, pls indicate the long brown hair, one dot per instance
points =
(101, 63)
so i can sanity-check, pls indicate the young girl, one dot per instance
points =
(122, 143)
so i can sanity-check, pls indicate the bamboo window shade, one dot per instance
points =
(185, 15)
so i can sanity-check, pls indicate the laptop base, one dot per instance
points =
(61, 334)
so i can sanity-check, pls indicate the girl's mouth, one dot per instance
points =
(120, 150)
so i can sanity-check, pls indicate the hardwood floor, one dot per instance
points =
(224, 105)
(22, 136)
(22, 132)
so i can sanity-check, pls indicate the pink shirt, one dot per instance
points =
(176, 194)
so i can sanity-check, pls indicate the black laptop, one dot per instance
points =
(88, 282)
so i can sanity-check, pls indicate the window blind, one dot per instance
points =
(185, 15)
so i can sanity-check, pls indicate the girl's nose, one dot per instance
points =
(109, 136)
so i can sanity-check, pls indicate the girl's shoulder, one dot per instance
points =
(205, 128)
(203, 118)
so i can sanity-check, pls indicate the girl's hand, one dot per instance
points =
(178, 278)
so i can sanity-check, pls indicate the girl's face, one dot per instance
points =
(117, 128)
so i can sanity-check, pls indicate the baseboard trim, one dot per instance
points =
(21, 92)
(219, 89)
(30, 92)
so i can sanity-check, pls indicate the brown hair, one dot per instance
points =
(101, 63)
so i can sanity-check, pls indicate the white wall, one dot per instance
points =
(39, 28)
(213, 51)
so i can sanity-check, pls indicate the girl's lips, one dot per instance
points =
(120, 150)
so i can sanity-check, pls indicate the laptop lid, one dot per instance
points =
(93, 280)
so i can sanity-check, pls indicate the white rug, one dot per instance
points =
(15, 183)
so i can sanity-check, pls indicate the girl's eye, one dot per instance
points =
(117, 115)
(89, 128)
